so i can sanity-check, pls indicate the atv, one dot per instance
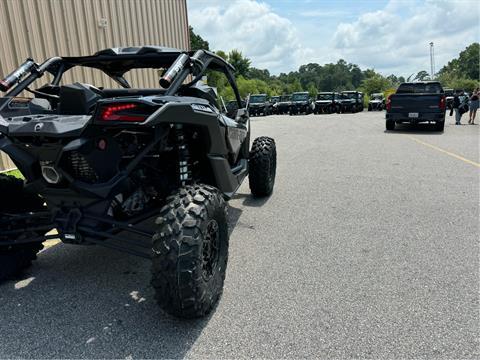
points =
(143, 171)
(260, 105)
(283, 106)
(376, 102)
(274, 100)
(352, 101)
(301, 103)
(327, 103)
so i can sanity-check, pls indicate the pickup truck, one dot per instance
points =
(415, 103)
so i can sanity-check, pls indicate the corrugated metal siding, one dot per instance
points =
(44, 28)
(5, 162)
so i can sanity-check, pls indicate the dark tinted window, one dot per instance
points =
(299, 97)
(255, 99)
(420, 88)
(325, 97)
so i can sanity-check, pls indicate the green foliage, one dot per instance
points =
(196, 41)
(422, 76)
(241, 63)
(16, 173)
(466, 66)
(312, 90)
(449, 80)
(222, 54)
(375, 84)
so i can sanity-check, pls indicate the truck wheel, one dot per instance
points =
(190, 251)
(440, 126)
(390, 125)
(262, 166)
(15, 258)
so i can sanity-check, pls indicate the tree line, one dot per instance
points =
(461, 72)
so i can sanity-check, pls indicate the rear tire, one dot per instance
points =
(390, 125)
(190, 252)
(262, 166)
(14, 199)
(440, 126)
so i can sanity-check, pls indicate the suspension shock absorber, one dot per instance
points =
(183, 156)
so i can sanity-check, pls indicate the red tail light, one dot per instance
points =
(443, 103)
(129, 112)
(389, 102)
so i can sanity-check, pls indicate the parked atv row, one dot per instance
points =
(301, 103)
(343, 102)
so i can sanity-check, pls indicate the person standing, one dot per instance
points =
(457, 101)
(474, 103)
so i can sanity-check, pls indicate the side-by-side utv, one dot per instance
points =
(101, 164)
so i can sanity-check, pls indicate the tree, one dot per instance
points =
(241, 63)
(254, 73)
(422, 76)
(466, 66)
(375, 84)
(312, 90)
(222, 54)
(196, 41)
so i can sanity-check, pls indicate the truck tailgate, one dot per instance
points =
(429, 103)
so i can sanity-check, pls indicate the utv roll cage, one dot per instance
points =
(115, 62)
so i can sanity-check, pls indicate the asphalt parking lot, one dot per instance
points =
(368, 248)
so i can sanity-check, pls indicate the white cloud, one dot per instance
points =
(396, 38)
(268, 39)
(391, 39)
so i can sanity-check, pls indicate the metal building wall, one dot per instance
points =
(44, 28)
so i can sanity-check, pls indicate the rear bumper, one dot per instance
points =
(422, 117)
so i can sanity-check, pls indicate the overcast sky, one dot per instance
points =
(389, 36)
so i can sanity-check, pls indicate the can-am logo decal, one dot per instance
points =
(204, 108)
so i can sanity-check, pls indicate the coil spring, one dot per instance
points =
(183, 155)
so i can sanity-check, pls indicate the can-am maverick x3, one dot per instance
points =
(98, 162)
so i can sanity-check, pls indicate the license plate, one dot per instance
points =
(413, 115)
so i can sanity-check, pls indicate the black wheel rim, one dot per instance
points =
(211, 250)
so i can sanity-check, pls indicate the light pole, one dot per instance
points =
(432, 61)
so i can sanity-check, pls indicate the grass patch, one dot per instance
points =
(15, 173)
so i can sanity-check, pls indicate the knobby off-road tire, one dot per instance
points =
(262, 166)
(190, 251)
(390, 125)
(14, 199)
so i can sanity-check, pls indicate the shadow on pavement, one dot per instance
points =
(91, 302)
(251, 201)
(418, 129)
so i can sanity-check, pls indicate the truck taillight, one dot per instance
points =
(125, 112)
(443, 103)
(389, 102)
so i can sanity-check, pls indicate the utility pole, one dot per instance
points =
(432, 61)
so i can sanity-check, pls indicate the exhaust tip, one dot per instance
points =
(50, 174)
